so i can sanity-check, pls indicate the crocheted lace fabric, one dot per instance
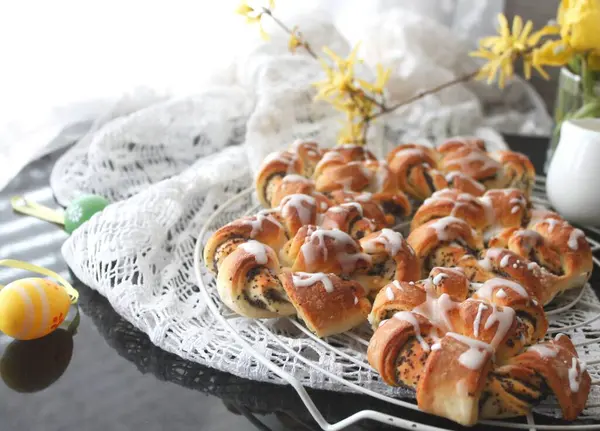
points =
(169, 163)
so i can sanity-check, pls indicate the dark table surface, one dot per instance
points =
(117, 379)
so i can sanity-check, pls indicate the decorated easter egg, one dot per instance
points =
(33, 365)
(82, 209)
(32, 307)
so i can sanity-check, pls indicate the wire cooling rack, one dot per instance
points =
(576, 313)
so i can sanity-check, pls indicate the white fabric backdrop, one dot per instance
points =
(68, 61)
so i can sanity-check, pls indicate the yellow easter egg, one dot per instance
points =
(32, 307)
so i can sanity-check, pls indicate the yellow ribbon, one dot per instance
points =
(71, 291)
(23, 206)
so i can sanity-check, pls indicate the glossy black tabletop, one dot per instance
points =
(116, 379)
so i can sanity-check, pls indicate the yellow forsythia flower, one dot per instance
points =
(295, 40)
(254, 15)
(382, 77)
(503, 50)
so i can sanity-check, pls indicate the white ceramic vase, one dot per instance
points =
(573, 182)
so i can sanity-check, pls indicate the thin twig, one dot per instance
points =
(420, 95)
(289, 31)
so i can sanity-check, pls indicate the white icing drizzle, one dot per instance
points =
(330, 156)
(475, 156)
(474, 357)
(504, 261)
(485, 291)
(409, 317)
(305, 279)
(532, 265)
(408, 152)
(256, 249)
(552, 223)
(346, 183)
(257, 221)
(450, 177)
(389, 293)
(364, 197)
(397, 285)
(515, 209)
(501, 294)
(436, 346)
(559, 336)
(505, 317)
(391, 240)
(494, 253)
(543, 350)
(436, 309)
(293, 178)
(303, 205)
(355, 300)
(296, 144)
(280, 156)
(575, 375)
(341, 241)
(485, 264)
(574, 238)
(490, 214)
(379, 179)
(477, 322)
(355, 205)
(441, 225)
(438, 278)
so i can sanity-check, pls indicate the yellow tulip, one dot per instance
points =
(594, 62)
(580, 22)
(552, 53)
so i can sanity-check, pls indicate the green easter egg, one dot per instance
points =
(33, 365)
(82, 209)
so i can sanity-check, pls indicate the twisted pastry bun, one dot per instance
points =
(263, 227)
(517, 171)
(326, 303)
(557, 250)
(372, 208)
(247, 282)
(394, 206)
(443, 242)
(451, 202)
(314, 249)
(463, 183)
(470, 158)
(348, 217)
(296, 184)
(301, 160)
(341, 155)
(391, 259)
(526, 379)
(466, 358)
(415, 169)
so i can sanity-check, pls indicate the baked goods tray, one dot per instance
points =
(286, 352)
